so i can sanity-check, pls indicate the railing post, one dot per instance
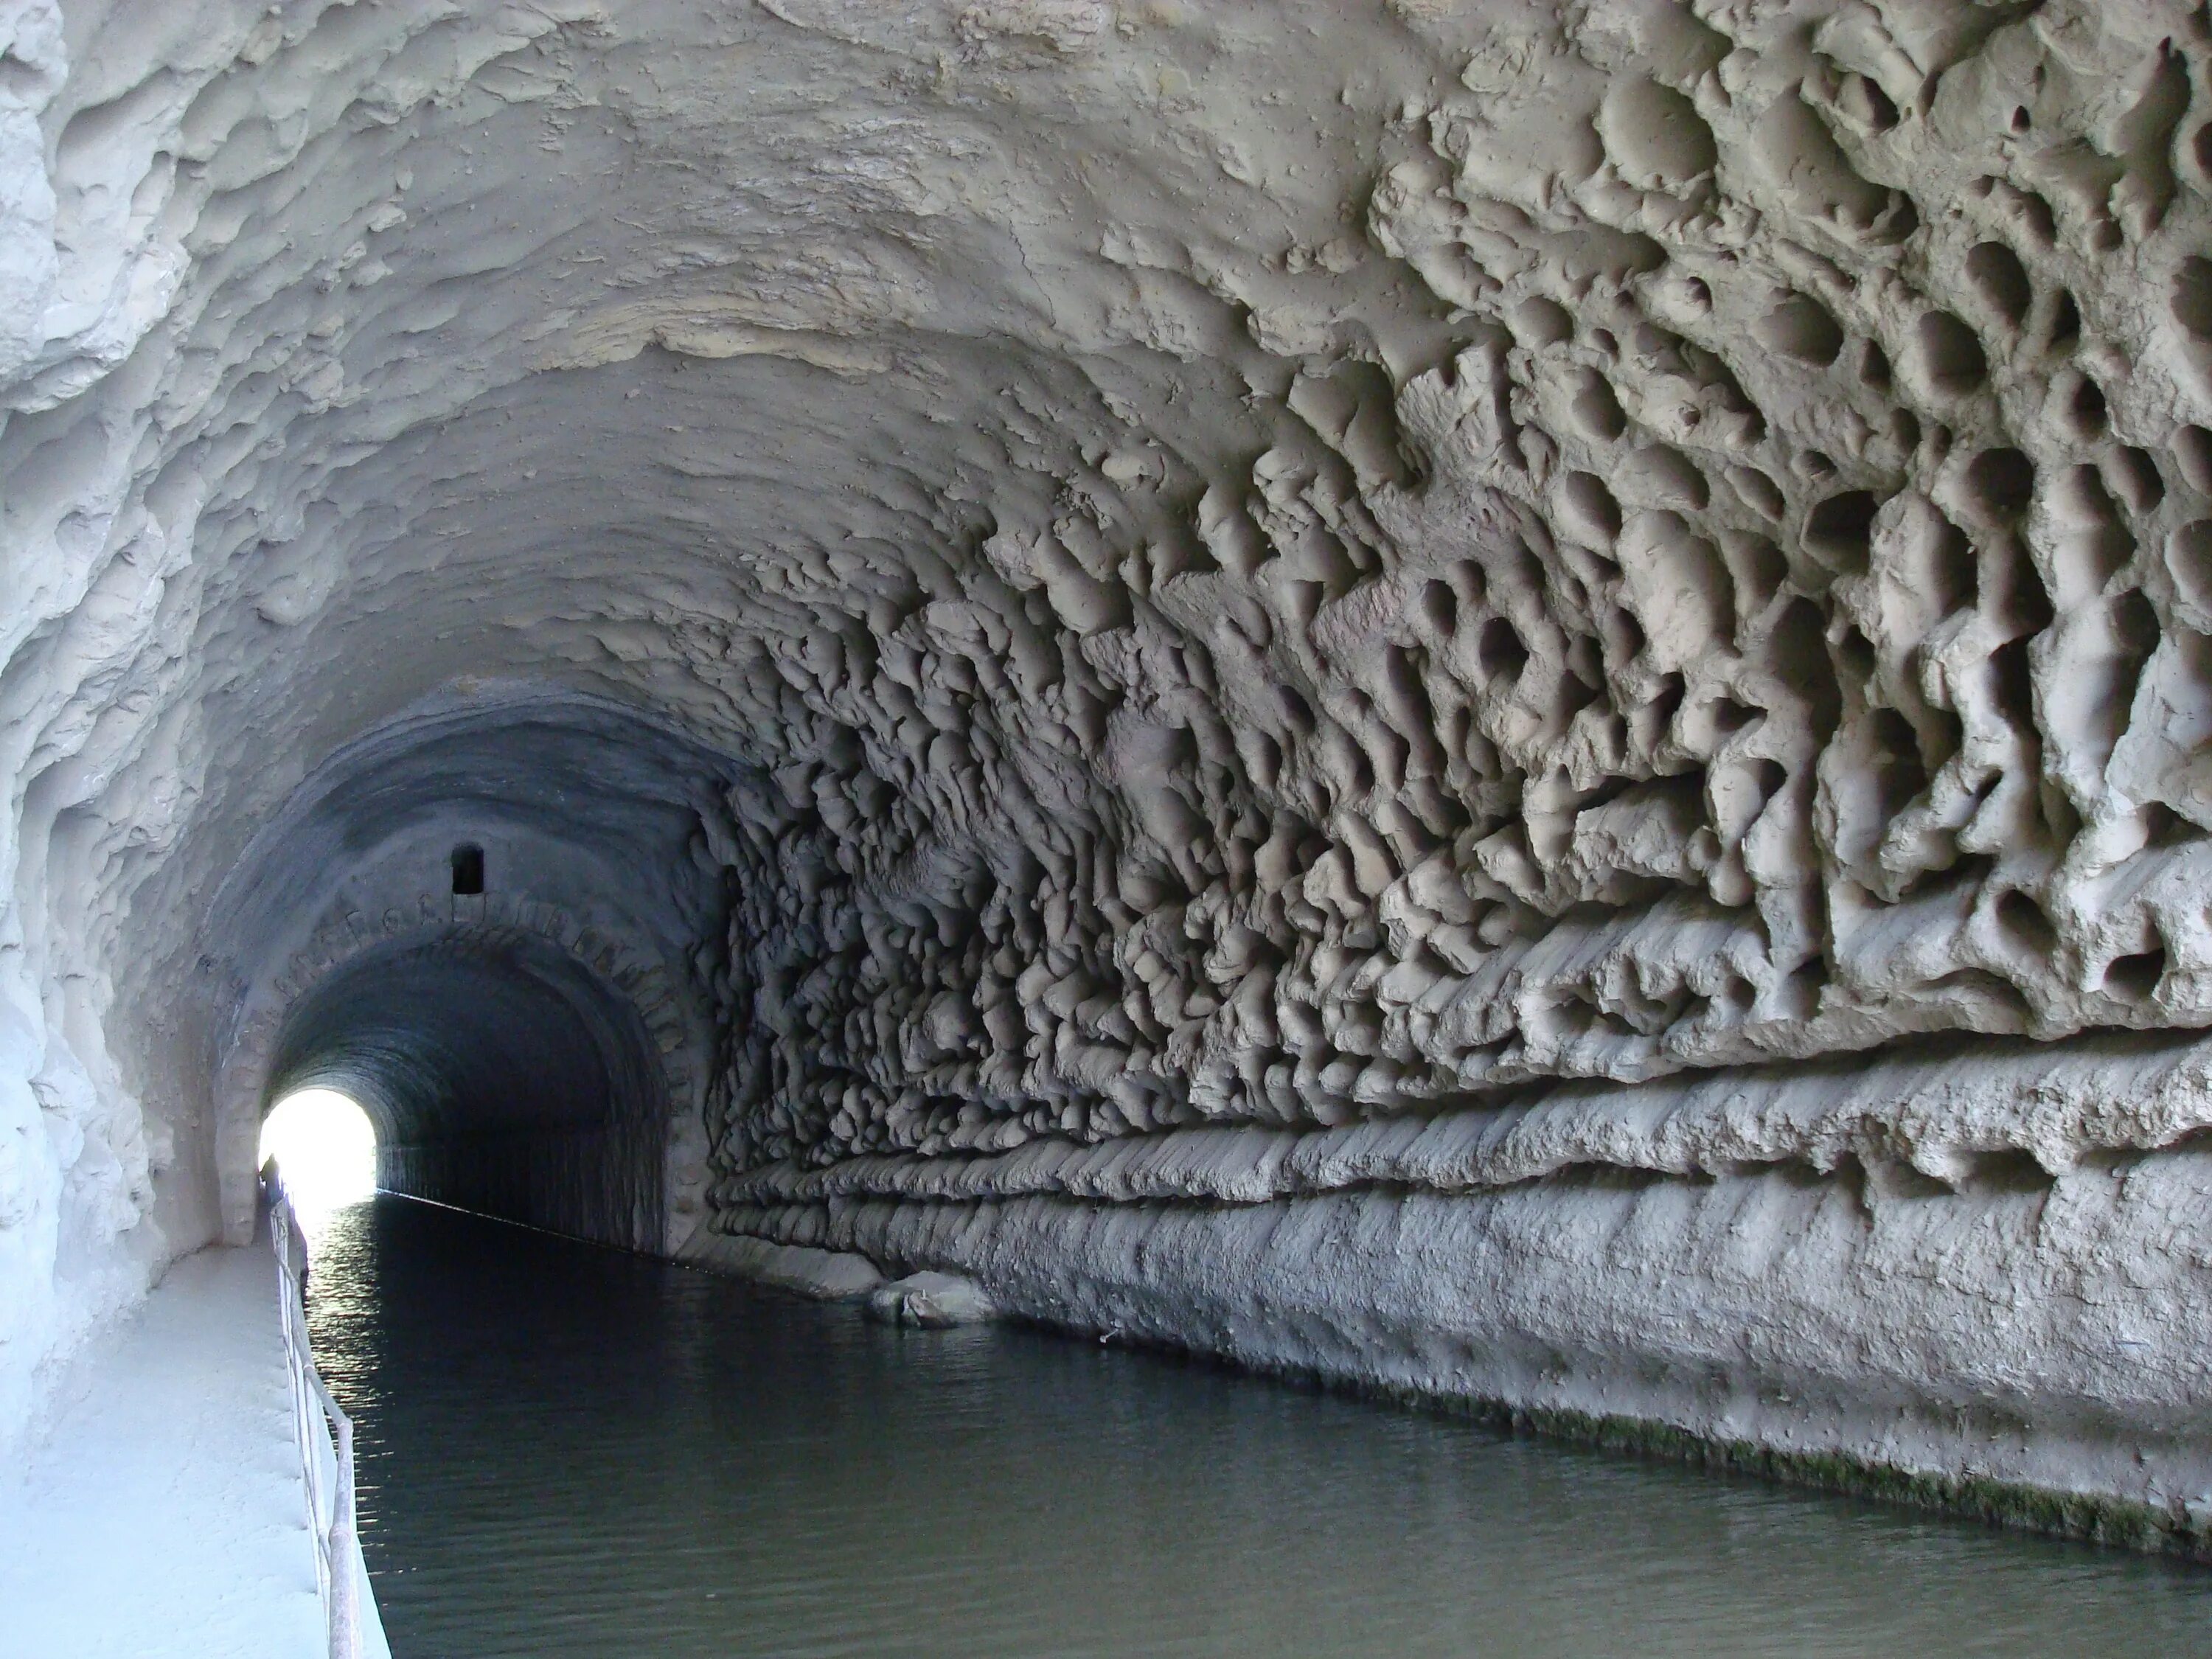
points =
(345, 1610)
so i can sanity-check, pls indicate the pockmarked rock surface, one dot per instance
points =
(1504, 698)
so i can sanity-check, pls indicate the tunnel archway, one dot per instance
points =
(590, 828)
(502, 1075)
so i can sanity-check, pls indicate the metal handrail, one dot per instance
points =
(324, 1432)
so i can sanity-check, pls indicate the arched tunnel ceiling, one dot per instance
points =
(1279, 564)
(557, 1011)
(444, 1039)
(582, 805)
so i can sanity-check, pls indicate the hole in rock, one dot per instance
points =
(2192, 297)
(2164, 827)
(1865, 103)
(2009, 1171)
(1757, 491)
(2135, 625)
(2192, 453)
(1664, 473)
(1767, 778)
(2028, 212)
(1855, 656)
(2189, 555)
(2088, 409)
(1992, 995)
(1798, 652)
(1874, 367)
(1901, 772)
(2065, 322)
(1951, 358)
(1839, 531)
(2012, 678)
(1950, 572)
(1598, 411)
(1498, 651)
(1730, 717)
(468, 864)
(1544, 322)
(2002, 281)
(506, 1076)
(1758, 568)
(2133, 476)
(2135, 978)
(1801, 328)
(1440, 605)
(2001, 485)
(1263, 757)
(1588, 509)
(2023, 921)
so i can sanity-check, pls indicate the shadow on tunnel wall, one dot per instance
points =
(503, 1077)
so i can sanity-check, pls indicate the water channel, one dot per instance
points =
(573, 1453)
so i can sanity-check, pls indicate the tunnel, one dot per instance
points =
(483, 923)
(502, 1077)
(1502, 705)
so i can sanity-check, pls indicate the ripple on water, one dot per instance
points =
(567, 1451)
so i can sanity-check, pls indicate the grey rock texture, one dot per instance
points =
(1343, 637)
(821, 1275)
(931, 1301)
(1995, 1337)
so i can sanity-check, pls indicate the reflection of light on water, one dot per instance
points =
(325, 1146)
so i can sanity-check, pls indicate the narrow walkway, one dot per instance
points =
(162, 1513)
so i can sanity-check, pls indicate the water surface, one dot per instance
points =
(571, 1452)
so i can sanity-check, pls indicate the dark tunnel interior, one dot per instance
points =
(502, 1075)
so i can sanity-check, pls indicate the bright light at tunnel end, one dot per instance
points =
(326, 1148)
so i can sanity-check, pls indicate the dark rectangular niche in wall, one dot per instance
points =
(468, 871)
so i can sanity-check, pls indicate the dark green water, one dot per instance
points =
(569, 1452)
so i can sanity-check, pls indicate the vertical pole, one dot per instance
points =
(345, 1612)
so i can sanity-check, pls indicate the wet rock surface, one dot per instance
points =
(1125, 603)
(930, 1301)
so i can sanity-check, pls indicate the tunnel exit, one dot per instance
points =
(325, 1146)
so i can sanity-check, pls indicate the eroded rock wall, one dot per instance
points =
(1315, 607)
(1765, 634)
